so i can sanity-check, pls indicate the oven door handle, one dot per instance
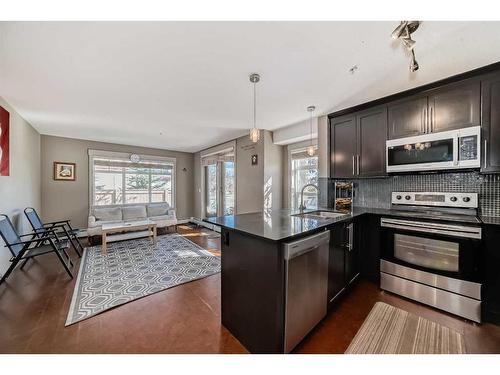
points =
(473, 233)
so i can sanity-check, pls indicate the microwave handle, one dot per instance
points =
(455, 149)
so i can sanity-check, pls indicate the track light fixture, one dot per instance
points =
(403, 32)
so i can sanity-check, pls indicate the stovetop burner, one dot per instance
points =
(456, 207)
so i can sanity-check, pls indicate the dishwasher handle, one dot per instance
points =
(305, 245)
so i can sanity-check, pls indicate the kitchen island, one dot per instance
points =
(253, 275)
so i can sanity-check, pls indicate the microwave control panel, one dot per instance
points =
(468, 147)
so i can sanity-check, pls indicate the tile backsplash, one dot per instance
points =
(376, 193)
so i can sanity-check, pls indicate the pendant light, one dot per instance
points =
(254, 132)
(310, 148)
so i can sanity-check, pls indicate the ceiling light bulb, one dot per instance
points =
(408, 43)
(398, 31)
(310, 151)
(414, 63)
(254, 135)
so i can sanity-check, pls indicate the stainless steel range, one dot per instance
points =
(431, 251)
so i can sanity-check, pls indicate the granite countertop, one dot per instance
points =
(490, 220)
(281, 225)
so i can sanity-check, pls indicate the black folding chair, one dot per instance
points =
(62, 229)
(23, 250)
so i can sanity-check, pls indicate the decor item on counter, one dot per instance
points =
(403, 32)
(389, 330)
(343, 196)
(4, 142)
(135, 269)
(255, 159)
(254, 132)
(310, 149)
(64, 171)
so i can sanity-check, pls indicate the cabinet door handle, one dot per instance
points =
(485, 153)
(357, 163)
(350, 236)
(431, 119)
(425, 120)
(353, 165)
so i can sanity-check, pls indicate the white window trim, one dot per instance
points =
(293, 148)
(126, 155)
(224, 147)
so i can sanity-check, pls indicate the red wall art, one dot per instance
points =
(4, 142)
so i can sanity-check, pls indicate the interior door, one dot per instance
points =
(455, 106)
(343, 142)
(407, 117)
(220, 190)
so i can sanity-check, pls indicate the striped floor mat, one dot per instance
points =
(389, 330)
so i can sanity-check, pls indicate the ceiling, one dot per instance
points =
(184, 85)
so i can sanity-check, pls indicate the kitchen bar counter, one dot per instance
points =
(282, 225)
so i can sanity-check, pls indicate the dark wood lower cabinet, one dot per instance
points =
(491, 290)
(252, 291)
(343, 262)
(370, 247)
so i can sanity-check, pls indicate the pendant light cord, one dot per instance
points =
(254, 106)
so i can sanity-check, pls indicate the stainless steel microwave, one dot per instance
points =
(453, 149)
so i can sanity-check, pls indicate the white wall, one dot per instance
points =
(22, 188)
(296, 132)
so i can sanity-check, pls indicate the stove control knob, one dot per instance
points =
(407, 197)
(466, 199)
(453, 199)
(398, 197)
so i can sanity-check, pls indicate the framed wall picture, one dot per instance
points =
(255, 159)
(64, 171)
(4, 142)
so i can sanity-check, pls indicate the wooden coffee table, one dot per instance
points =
(128, 226)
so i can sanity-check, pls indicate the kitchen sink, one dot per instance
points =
(318, 215)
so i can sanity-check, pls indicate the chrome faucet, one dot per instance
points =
(302, 207)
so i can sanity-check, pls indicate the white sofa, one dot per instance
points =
(160, 213)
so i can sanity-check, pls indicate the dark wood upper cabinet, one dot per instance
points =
(407, 117)
(455, 106)
(343, 146)
(371, 134)
(490, 96)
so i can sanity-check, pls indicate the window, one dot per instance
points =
(303, 170)
(220, 182)
(116, 180)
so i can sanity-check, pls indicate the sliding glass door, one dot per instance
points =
(219, 188)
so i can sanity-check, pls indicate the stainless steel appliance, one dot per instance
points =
(306, 283)
(432, 251)
(453, 149)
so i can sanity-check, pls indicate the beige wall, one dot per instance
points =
(249, 178)
(66, 199)
(273, 172)
(22, 188)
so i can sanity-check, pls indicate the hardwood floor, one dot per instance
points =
(185, 319)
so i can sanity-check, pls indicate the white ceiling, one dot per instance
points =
(184, 85)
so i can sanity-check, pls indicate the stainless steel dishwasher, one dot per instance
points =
(306, 283)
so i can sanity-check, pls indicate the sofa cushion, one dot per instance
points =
(158, 209)
(134, 212)
(108, 214)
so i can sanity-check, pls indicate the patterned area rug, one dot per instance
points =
(389, 330)
(134, 269)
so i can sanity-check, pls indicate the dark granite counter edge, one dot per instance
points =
(357, 212)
